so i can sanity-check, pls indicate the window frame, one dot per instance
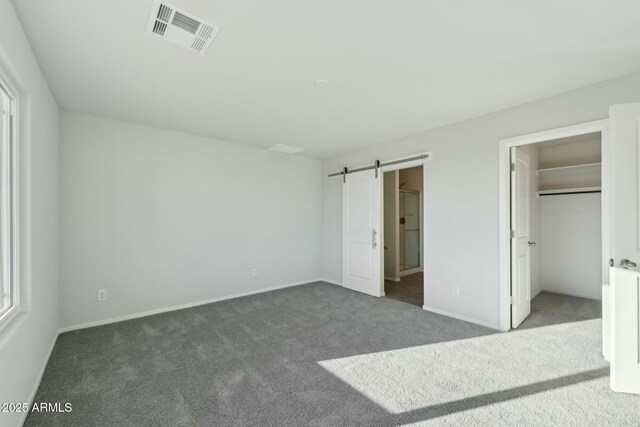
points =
(9, 207)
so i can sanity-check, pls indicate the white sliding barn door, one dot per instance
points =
(362, 233)
(520, 237)
(624, 275)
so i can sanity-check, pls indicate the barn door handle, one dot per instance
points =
(625, 263)
(373, 239)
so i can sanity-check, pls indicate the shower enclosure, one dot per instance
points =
(409, 230)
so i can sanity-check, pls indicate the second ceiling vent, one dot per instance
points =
(181, 28)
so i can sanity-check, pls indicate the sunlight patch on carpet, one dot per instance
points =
(417, 377)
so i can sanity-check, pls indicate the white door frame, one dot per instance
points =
(505, 199)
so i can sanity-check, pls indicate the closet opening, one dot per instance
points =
(556, 248)
(404, 235)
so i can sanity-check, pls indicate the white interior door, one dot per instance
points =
(624, 275)
(625, 324)
(362, 233)
(520, 237)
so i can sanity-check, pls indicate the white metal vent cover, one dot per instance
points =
(181, 28)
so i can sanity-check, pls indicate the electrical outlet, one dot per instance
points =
(102, 295)
(254, 272)
(456, 290)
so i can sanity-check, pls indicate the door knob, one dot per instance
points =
(532, 243)
(625, 263)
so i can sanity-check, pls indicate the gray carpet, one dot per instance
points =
(321, 355)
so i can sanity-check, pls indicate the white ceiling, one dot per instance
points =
(396, 67)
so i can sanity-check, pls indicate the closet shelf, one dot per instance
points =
(561, 168)
(563, 191)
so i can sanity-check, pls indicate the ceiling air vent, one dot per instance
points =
(181, 28)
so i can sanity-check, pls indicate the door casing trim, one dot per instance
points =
(504, 145)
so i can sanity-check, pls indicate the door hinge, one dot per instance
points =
(512, 233)
(512, 167)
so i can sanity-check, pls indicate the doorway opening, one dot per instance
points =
(553, 198)
(363, 223)
(404, 235)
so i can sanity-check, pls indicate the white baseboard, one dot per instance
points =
(570, 294)
(460, 317)
(410, 271)
(179, 307)
(23, 417)
(333, 282)
(393, 279)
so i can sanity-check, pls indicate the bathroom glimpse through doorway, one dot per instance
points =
(403, 235)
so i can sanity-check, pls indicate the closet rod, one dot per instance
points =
(569, 192)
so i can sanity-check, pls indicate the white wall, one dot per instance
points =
(161, 218)
(587, 150)
(461, 200)
(572, 245)
(26, 342)
(571, 225)
(391, 238)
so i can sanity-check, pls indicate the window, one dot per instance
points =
(9, 295)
